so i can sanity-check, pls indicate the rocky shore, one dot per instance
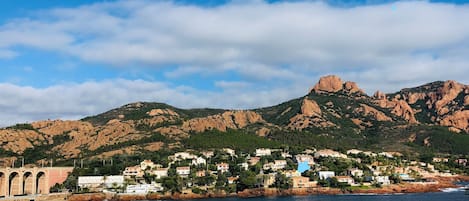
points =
(441, 182)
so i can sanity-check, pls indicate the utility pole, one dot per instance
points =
(22, 162)
(74, 163)
(82, 163)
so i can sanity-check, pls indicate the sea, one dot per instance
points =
(450, 195)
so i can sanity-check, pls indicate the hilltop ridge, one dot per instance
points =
(335, 113)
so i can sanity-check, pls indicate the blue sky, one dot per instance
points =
(69, 59)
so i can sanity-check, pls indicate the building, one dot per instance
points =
(303, 182)
(355, 172)
(231, 152)
(133, 171)
(147, 164)
(440, 160)
(326, 174)
(461, 161)
(200, 173)
(305, 158)
(160, 172)
(183, 171)
(143, 188)
(406, 177)
(254, 160)
(291, 173)
(263, 152)
(244, 166)
(383, 180)
(223, 167)
(199, 161)
(279, 165)
(182, 156)
(329, 153)
(98, 183)
(345, 179)
(208, 154)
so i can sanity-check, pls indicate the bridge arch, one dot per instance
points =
(41, 185)
(14, 184)
(3, 184)
(28, 183)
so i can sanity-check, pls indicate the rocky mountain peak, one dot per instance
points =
(329, 83)
(333, 83)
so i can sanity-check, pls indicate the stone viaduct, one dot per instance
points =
(30, 181)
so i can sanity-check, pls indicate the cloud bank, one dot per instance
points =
(279, 48)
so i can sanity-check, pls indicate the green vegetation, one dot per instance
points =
(22, 127)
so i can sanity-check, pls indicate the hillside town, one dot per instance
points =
(229, 171)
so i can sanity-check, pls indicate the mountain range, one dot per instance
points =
(335, 114)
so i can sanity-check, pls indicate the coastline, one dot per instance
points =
(442, 182)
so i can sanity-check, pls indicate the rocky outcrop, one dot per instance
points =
(352, 87)
(222, 122)
(156, 112)
(310, 108)
(459, 120)
(330, 83)
(448, 92)
(173, 132)
(333, 84)
(370, 111)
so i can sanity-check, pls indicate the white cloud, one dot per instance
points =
(77, 100)
(279, 49)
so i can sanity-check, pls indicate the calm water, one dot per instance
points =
(452, 196)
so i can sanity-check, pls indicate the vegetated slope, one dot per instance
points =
(334, 114)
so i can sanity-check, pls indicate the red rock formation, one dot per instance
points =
(330, 83)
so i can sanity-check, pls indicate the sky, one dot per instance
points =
(71, 59)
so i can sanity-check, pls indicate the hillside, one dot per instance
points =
(336, 114)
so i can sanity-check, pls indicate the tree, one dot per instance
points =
(221, 181)
(247, 180)
(282, 182)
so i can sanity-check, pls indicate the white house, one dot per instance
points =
(223, 167)
(263, 152)
(93, 182)
(329, 153)
(244, 166)
(383, 180)
(160, 172)
(326, 174)
(183, 171)
(279, 165)
(199, 161)
(135, 171)
(144, 188)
